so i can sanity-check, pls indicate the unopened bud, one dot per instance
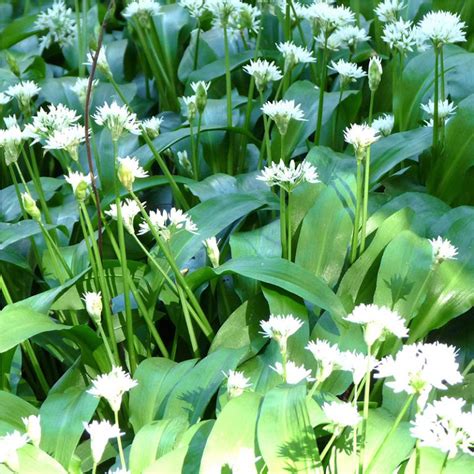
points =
(82, 191)
(212, 251)
(33, 429)
(126, 176)
(13, 64)
(30, 206)
(200, 88)
(93, 303)
(375, 73)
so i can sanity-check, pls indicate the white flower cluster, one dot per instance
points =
(445, 110)
(233, 14)
(80, 184)
(326, 18)
(143, 10)
(443, 249)
(237, 383)
(128, 170)
(384, 124)
(118, 119)
(129, 209)
(441, 28)
(349, 72)
(293, 55)
(341, 414)
(360, 137)
(264, 73)
(169, 223)
(400, 35)
(23, 92)
(281, 112)
(80, 88)
(196, 8)
(100, 433)
(389, 10)
(11, 140)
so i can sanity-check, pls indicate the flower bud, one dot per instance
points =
(82, 191)
(184, 162)
(33, 429)
(30, 206)
(93, 303)
(375, 73)
(191, 107)
(212, 251)
(200, 89)
(125, 175)
(13, 64)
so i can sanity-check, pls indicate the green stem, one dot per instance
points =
(288, 223)
(436, 105)
(328, 445)
(106, 344)
(283, 223)
(336, 117)
(288, 20)
(198, 142)
(355, 232)
(193, 151)
(417, 457)
(365, 202)
(119, 444)
(228, 93)
(322, 87)
(366, 411)
(445, 463)
(196, 48)
(189, 323)
(267, 144)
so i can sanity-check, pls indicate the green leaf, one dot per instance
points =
(17, 30)
(12, 409)
(34, 461)
(431, 460)
(284, 433)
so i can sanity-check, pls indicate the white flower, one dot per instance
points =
(357, 363)
(80, 184)
(168, 223)
(444, 426)
(144, 9)
(112, 386)
(80, 88)
(327, 17)
(289, 177)
(46, 122)
(93, 303)
(443, 249)
(117, 119)
(282, 111)
(244, 462)
(30, 206)
(333, 42)
(152, 126)
(4, 98)
(237, 383)
(280, 328)
(184, 162)
(445, 109)
(33, 428)
(23, 92)
(128, 170)
(221, 10)
(294, 373)
(100, 433)
(350, 35)
(264, 72)
(196, 86)
(60, 23)
(245, 18)
(400, 35)
(389, 10)
(9, 445)
(349, 72)
(11, 140)
(67, 139)
(375, 72)
(213, 251)
(378, 322)
(417, 368)
(293, 54)
(442, 27)
(342, 414)
(191, 106)
(196, 8)
(102, 63)
(360, 137)
(327, 356)
(129, 209)
(384, 124)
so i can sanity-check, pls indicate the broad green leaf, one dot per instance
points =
(17, 30)
(33, 461)
(12, 409)
(431, 460)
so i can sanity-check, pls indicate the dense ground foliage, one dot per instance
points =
(237, 237)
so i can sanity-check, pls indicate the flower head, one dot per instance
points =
(400, 35)
(112, 387)
(102, 63)
(4, 98)
(11, 140)
(143, 10)
(442, 27)
(282, 111)
(327, 18)
(9, 445)
(341, 414)
(23, 92)
(168, 223)
(389, 10)
(59, 23)
(349, 72)
(93, 303)
(350, 36)
(360, 137)
(67, 139)
(196, 8)
(378, 322)
(128, 209)
(100, 433)
(333, 42)
(292, 373)
(293, 54)
(443, 249)
(152, 126)
(237, 383)
(384, 124)
(280, 328)
(80, 88)
(200, 89)
(289, 177)
(128, 170)
(191, 106)
(264, 72)
(117, 119)
(80, 184)
(33, 428)
(247, 17)
(445, 110)
(222, 10)
(357, 363)
(327, 356)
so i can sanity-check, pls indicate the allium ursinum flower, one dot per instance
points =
(384, 124)
(93, 302)
(33, 428)
(169, 223)
(378, 322)
(237, 383)
(443, 249)
(341, 414)
(11, 140)
(80, 88)
(200, 89)
(445, 426)
(143, 10)
(280, 327)
(289, 177)
(222, 10)
(357, 363)
(24, 92)
(129, 210)
(196, 8)
(191, 106)
(244, 462)
(67, 139)
(389, 10)
(46, 122)
(294, 373)
(332, 43)
(29, 204)
(417, 368)
(264, 73)
(350, 36)
(442, 27)
(102, 63)
(375, 73)
(300, 10)
(293, 55)
(9, 445)
(184, 162)
(360, 137)
(327, 356)
(59, 23)
(400, 35)
(152, 126)
(213, 251)
(327, 18)
(100, 433)
(445, 110)
(80, 184)
(348, 72)
(128, 170)
(112, 387)
(4, 98)
(246, 18)
(118, 119)
(281, 112)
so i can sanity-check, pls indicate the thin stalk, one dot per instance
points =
(282, 148)
(336, 117)
(443, 87)
(267, 144)
(228, 93)
(445, 463)
(417, 456)
(106, 344)
(329, 445)
(193, 151)
(436, 105)
(284, 251)
(198, 142)
(80, 37)
(196, 48)
(355, 233)
(366, 411)
(365, 201)
(288, 223)
(288, 21)
(84, 36)
(322, 87)
(189, 323)
(119, 444)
